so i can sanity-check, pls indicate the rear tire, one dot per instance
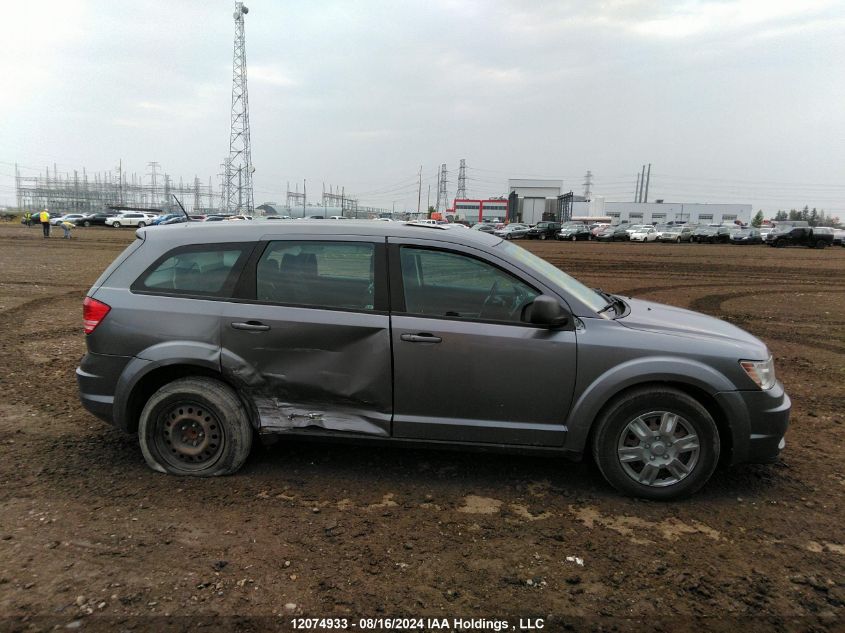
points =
(141, 225)
(86, 223)
(821, 244)
(195, 426)
(657, 443)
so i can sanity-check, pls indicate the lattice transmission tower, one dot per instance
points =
(461, 193)
(239, 169)
(442, 193)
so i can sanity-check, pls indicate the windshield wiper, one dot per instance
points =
(612, 302)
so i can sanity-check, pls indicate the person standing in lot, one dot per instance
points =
(44, 218)
(67, 227)
(27, 218)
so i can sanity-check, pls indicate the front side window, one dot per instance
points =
(322, 274)
(451, 285)
(199, 270)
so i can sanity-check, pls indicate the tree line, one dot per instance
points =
(812, 217)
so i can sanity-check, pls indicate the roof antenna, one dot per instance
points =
(187, 217)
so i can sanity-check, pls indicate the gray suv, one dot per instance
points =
(201, 335)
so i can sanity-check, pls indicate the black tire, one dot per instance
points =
(141, 225)
(612, 429)
(116, 225)
(780, 243)
(542, 236)
(86, 223)
(201, 409)
(678, 240)
(821, 244)
(573, 238)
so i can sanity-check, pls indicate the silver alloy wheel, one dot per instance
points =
(658, 449)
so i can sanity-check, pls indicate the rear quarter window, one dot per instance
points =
(206, 270)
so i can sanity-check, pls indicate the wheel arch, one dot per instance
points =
(159, 375)
(705, 399)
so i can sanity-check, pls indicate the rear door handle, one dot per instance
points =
(252, 326)
(420, 338)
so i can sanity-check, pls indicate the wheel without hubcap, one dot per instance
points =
(195, 426)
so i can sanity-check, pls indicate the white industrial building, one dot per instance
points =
(530, 200)
(663, 212)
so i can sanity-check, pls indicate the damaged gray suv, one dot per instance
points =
(201, 336)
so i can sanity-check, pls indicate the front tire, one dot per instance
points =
(657, 443)
(86, 223)
(141, 225)
(821, 244)
(116, 225)
(542, 236)
(195, 426)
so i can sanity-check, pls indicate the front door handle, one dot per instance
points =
(420, 338)
(252, 326)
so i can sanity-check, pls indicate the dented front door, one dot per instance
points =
(311, 367)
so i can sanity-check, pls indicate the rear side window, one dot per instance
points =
(338, 275)
(204, 270)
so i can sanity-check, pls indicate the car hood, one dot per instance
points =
(664, 319)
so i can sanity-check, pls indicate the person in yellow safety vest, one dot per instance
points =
(67, 227)
(44, 218)
(27, 219)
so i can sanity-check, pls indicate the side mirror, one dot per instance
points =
(547, 311)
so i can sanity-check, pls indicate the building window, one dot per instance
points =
(725, 218)
(614, 214)
(709, 216)
(638, 216)
(658, 216)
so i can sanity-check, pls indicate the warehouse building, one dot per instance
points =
(531, 201)
(491, 210)
(664, 212)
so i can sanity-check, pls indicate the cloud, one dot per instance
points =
(269, 75)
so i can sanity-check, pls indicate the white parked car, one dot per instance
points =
(637, 227)
(70, 217)
(128, 219)
(645, 234)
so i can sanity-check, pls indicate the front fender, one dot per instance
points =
(597, 393)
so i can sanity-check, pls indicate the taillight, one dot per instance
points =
(93, 312)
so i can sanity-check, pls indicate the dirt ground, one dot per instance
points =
(91, 539)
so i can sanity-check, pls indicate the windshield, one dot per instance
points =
(569, 284)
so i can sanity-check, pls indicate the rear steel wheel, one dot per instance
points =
(195, 426)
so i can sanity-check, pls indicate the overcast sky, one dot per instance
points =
(731, 101)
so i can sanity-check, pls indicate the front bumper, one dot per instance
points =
(758, 421)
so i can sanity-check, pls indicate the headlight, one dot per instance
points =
(761, 372)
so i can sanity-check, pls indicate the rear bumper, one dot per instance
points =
(758, 420)
(97, 377)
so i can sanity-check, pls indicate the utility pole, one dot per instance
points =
(419, 192)
(303, 197)
(461, 193)
(240, 153)
(642, 180)
(647, 181)
(588, 182)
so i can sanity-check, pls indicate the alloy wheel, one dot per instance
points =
(658, 449)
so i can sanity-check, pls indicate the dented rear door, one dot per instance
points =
(308, 340)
